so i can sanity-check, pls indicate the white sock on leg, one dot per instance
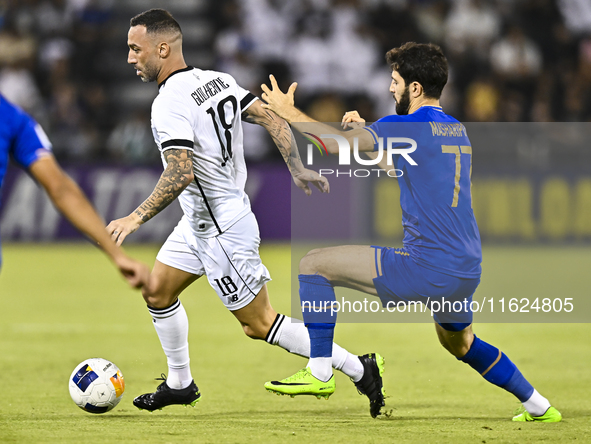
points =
(172, 326)
(536, 405)
(321, 368)
(179, 378)
(352, 367)
(292, 335)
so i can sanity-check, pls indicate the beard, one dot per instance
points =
(403, 105)
(149, 74)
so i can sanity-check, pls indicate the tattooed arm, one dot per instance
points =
(177, 175)
(280, 132)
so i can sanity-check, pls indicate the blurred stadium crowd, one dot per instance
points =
(64, 61)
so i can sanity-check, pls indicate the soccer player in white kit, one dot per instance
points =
(197, 125)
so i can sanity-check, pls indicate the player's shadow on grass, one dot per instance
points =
(348, 414)
(579, 413)
(295, 416)
(394, 417)
(239, 415)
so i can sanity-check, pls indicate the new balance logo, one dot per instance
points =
(232, 299)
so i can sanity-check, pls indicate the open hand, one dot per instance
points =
(136, 273)
(305, 176)
(280, 103)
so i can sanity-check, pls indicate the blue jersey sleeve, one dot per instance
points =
(382, 128)
(30, 141)
(375, 129)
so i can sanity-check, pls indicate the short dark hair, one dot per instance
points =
(156, 21)
(420, 62)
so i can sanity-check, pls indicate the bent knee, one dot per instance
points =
(457, 344)
(255, 331)
(458, 350)
(157, 299)
(310, 263)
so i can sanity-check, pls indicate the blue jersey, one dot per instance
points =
(440, 230)
(21, 138)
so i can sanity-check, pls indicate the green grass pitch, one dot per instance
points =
(64, 303)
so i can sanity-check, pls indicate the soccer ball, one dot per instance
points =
(96, 385)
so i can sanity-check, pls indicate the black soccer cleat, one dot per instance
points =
(371, 384)
(164, 396)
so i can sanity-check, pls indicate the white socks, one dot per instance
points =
(321, 368)
(292, 335)
(352, 367)
(536, 405)
(172, 326)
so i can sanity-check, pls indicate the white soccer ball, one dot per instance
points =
(96, 385)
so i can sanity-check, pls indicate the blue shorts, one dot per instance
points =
(401, 279)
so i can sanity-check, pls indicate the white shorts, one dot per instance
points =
(230, 260)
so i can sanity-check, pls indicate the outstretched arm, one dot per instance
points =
(69, 199)
(284, 139)
(282, 104)
(177, 175)
(352, 119)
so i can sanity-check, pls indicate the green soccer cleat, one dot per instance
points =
(551, 415)
(302, 383)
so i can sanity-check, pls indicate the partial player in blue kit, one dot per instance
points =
(23, 140)
(441, 254)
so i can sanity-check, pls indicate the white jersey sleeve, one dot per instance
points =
(174, 129)
(246, 98)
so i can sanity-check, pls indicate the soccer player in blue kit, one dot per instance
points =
(441, 256)
(23, 140)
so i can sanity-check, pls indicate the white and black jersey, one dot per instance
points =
(201, 111)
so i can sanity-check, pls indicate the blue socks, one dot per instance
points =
(321, 339)
(316, 297)
(494, 366)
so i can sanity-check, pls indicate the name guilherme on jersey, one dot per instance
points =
(209, 89)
